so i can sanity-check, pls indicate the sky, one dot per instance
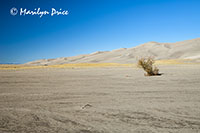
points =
(92, 25)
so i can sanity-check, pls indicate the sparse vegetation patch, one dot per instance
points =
(147, 65)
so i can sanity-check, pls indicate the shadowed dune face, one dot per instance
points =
(189, 49)
(98, 100)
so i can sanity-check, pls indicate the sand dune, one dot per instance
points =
(103, 92)
(189, 49)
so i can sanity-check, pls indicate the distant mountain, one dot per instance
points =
(189, 49)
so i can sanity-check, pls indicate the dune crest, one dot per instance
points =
(189, 49)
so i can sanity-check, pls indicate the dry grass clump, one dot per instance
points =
(147, 65)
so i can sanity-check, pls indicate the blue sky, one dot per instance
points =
(92, 25)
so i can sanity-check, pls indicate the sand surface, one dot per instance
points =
(100, 100)
(188, 49)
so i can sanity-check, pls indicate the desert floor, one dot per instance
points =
(100, 100)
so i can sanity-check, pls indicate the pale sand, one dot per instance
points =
(189, 49)
(100, 100)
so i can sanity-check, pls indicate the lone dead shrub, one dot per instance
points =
(147, 65)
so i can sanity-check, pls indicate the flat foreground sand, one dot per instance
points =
(100, 100)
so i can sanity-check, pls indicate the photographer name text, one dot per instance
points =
(39, 12)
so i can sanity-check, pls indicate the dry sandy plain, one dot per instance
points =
(100, 100)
